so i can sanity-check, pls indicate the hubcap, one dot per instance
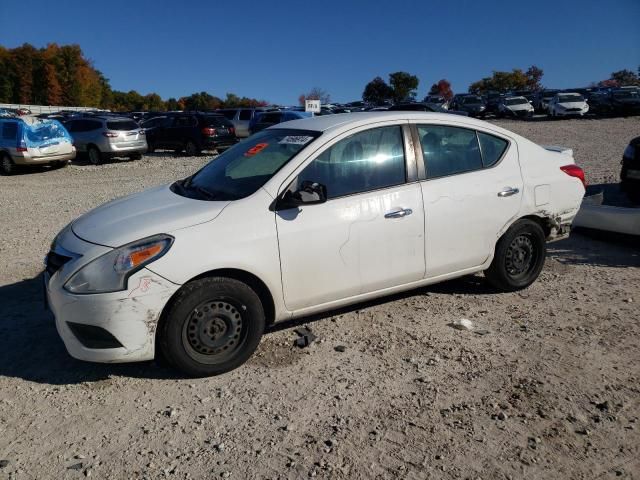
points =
(213, 331)
(520, 255)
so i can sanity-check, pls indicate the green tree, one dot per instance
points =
(377, 92)
(534, 76)
(404, 86)
(516, 79)
(625, 77)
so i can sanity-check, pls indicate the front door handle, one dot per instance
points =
(399, 213)
(507, 192)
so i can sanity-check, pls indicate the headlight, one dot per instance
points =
(110, 272)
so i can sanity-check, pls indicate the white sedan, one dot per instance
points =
(304, 217)
(567, 104)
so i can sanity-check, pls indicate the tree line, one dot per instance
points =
(62, 75)
(403, 86)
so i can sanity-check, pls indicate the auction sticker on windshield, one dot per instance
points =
(295, 140)
(257, 148)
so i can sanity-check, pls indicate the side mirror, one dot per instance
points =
(309, 193)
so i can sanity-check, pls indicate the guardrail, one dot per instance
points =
(36, 109)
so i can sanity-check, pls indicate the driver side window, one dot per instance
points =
(365, 161)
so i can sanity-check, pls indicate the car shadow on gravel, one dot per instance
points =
(31, 349)
(596, 248)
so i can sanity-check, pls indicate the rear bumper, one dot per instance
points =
(215, 142)
(28, 159)
(115, 150)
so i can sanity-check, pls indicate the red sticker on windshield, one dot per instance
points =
(257, 148)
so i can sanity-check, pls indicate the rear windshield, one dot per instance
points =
(217, 121)
(228, 113)
(122, 125)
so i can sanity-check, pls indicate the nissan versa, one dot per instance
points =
(303, 217)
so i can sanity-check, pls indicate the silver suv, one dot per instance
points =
(240, 117)
(106, 137)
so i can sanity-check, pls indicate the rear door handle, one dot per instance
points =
(399, 213)
(507, 192)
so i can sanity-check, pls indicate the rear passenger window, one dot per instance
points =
(449, 150)
(245, 114)
(10, 131)
(365, 161)
(492, 148)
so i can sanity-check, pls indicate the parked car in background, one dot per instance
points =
(32, 141)
(302, 218)
(437, 100)
(630, 172)
(625, 101)
(567, 104)
(267, 119)
(473, 105)
(492, 100)
(190, 132)
(515, 107)
(423, 107)
(105, 137)
(542, 99)
(241, 118)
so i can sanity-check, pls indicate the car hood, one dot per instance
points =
(153, 211)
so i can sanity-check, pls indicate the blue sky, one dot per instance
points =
(275, 50)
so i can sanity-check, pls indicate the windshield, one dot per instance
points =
(515, 101)
(246, 167)
(471, 100)
(625, 94)
(570, 98)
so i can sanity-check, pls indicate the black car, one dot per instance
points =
(423, 107)
(630, 172)
(474, 105)
(625, 101)
(189, 132)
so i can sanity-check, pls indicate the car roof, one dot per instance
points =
(326, 123)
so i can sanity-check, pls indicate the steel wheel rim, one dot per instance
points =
(213, 331)
(520, 256)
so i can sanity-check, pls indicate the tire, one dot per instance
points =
(7, 167)
(211, 327)
(94, 155)
(137, 156)
(150, 148)
(191, 149)
(519, 257)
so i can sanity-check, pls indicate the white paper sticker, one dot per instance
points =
(295, 140)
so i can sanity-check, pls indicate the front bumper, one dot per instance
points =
(127, 319)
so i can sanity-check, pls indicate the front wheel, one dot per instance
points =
(212, 326)
(519, 257)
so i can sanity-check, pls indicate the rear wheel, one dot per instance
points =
(95, 157)
(213, 325)
(191, 148)
(59, 164)
(137, 156)
(7, 167)
(519, 257)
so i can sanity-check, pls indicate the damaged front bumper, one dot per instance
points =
(105, 327)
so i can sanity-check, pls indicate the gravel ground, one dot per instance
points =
(545, 387)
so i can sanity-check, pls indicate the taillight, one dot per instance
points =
(575, 171)
(110, 134)
(21, 149)
(232, 130)
(209, 131)
(21, 146)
